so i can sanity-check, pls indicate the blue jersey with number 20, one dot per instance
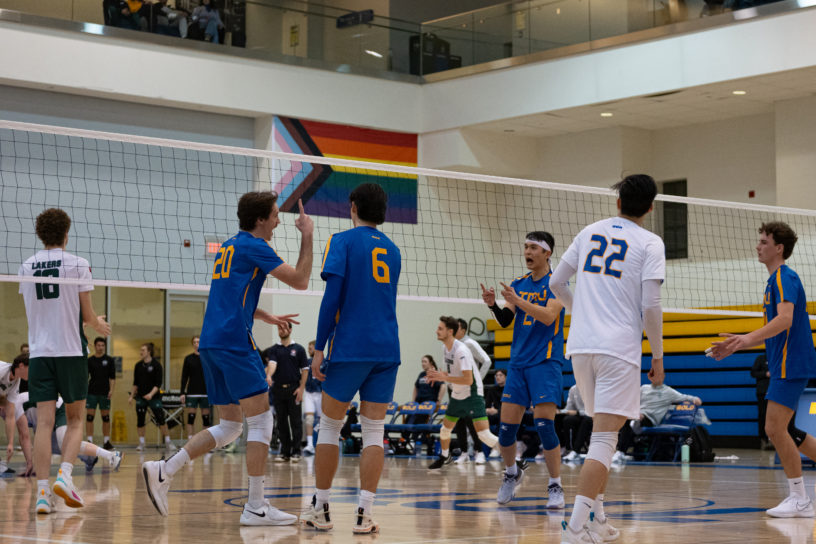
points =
(238, 275)
(366, 324)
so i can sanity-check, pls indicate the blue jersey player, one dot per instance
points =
(233, 369)
(791, 361)
(536, 357)
(357, 329)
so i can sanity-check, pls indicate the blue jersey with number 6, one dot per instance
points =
(366, 324)
(238, 275)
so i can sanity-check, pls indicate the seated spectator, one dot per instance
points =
(493, 398)
(577, 425)
(207, 20)
(168, 21)
(423, 392)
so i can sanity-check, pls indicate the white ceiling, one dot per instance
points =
(672, 109)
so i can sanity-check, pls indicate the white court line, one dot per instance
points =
(37, 539)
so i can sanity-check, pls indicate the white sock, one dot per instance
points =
(67, 470)
(366, 501)
(180, 458)
(445, 453)
(106, 440)
(167, 439)
(555, 481)
(90, 439)
(322, 496)
(512, 470)
(797, 487)
(105, 455)
(580, 512)
(600, 515)
(310, 441)
(256, 490)
(141, 440)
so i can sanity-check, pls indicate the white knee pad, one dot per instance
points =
(259, 428)
(445, 433)
(602, 447)
(61, 435)
(329, 430)
(226, 432)
(373, 431)
(310, 419)
(489, 439)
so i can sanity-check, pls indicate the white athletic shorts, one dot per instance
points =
(312, 403)
(608, 385)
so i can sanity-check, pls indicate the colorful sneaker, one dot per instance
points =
(45, 503)
(266, 515)
(318, 518)
(440, 462)
(584, 536)
(157, 482)
(793, 507)
(603, 530)
(509, 485)
(556, 496)
(64, 487)
(364, 524)
(116, 460)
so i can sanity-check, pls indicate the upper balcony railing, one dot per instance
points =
(322, 36)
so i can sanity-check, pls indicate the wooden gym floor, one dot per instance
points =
(717, 502)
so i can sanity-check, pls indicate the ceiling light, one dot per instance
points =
(606, 114)
(739, 93)
(373, 53)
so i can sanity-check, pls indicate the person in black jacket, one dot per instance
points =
(147, 381)
(762, 376)
(194, 390)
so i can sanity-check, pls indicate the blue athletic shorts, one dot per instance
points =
(534, 385)
(786, 392)
(374, 381)
(232, 374)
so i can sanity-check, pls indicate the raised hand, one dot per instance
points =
(488, 295)
(303, 222)
(509, 294)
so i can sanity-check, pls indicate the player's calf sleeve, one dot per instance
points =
(309, 420)
(373, 431)
(329, 431)
(226, 432)
(546, 432)
(507, 434)
(191, 418)
(445, 433)
(89, 418)
(798, 435)
(259, 428)
(602, 447)
(488, 439)
(205, 420)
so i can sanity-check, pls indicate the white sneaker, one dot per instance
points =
(308, 450)
(116, 460)
(571, 456)
(509, 485)
(140, 447)
(169, 447)
(556, 496)
(793, 507)
(462, 459)
(479, 458)
(619, 457)
(64, 487)
(45, 503)
(364, 524)
(317, 518)
(584, 536)
(603, 530)
(266, 515)
(157, 482)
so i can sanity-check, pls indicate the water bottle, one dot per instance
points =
(685, 453)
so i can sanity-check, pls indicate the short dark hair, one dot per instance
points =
(542, 236)
(100, 339)
(431, 360)
(636, 192)
(23, 346)
(150, 347)
(194, 338)
(450, 322)
(462, 324)
(371, 202)
(502, 370)
(254, 206)
(20, 360)
(781, 234)
(52, 226)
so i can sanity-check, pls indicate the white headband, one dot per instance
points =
(543, 245)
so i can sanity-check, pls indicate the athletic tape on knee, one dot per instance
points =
(602, 447)
(329, 430)
(507, 434)
(797, 434)
(488, 439)
(226, 432)
(205, 420)
(260, 427)
(546, 432)
(373, 431)
(106, 419)
(191, 418)
(445, 433)
(310, 419)
(89, 418)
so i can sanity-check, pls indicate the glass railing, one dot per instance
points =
(296, 31)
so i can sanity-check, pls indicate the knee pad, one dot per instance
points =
(205, 420)
(798, 435)
(602, 447)
(507, 434)
(141, 412)
(488, 439)
(329, 430)
(106, 419)
(310, 419)
(89, 418)
(373, 431)
(546, 432)
(191, 418)
(445, 433)
(226, 432)
(259, 428)
(158, 413)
